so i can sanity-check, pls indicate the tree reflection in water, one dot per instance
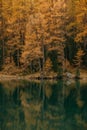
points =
(46, 105)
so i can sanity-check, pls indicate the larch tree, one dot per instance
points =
(15, 16)
(1, 19)
(81, 20)
(57, 30)
(45, 30)
(2, 33)
(78, 58)
(70, 49)
(78, 61)
(32, 49)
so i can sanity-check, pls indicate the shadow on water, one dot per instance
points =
(57, 105)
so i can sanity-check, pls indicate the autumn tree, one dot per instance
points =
(57, 31)
(32, 48)
(15, 16)
(81, 20)
(48, 66)
(2, 34)
(78, 58)
(70, 31)
(78, 61)
(46, 29)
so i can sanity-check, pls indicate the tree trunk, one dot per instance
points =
(11, 57)
(43, 58)
(18, 58)
(2, 32)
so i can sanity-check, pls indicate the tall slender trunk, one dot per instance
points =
(11, 59)
(3, 52)
(3, 42)
(40, 65)
(43, 60)
(2, 32)
(43, 55)
(18, 58)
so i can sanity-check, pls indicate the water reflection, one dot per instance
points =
(58, 105)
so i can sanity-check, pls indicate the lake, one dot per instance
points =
(46, 105)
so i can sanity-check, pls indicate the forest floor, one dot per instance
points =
(51, 75)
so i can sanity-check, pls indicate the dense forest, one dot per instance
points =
(43, 35)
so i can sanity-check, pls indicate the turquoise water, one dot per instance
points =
(48, 105)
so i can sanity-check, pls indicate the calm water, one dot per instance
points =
(58, 105)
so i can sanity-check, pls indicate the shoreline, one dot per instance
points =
(38, 77)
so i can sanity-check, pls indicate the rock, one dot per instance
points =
(69, 75)
(68, 82)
